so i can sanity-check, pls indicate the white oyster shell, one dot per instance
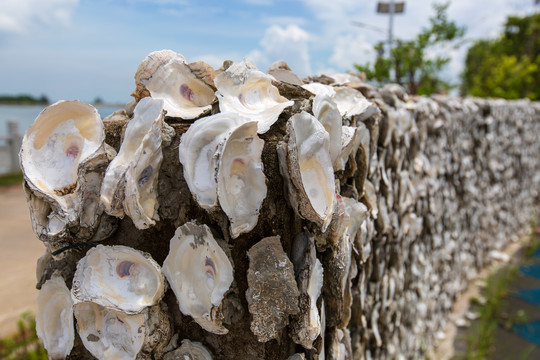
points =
(118, 277)
(108, 333)
(197, 153)
(320, 89)
(130, 183)
(308, 167)
(326, 111)
(351, 103)
(350, 80)
(349, 143)
(199, 273)
(148, 67)
(249, 92)
(241, 181)
(191, 350)
(306, 326)
(54, 319)
(62, 158)
(184, 95)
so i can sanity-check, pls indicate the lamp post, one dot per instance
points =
(390, 7)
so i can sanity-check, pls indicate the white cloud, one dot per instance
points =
(288, 43)
(340, 44)
(216, 60)
(284, 20)
(350, 49)
(24, 16)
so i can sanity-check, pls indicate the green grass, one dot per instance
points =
(480, 338)
(11, 179)
(24, 345)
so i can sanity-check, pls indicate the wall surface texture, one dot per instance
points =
(431, 187)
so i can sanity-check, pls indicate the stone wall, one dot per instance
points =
(442, 181)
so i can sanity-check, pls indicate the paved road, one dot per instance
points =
(19, 250)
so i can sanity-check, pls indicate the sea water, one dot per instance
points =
(25, 115)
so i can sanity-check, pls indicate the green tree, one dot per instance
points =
(415, 64)
(507, 67)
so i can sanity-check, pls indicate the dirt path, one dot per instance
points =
(19, 250)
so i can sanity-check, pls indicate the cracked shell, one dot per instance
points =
(130, 183)
(63, 158)
(118, 277)
(108, 333)
(198, 154)
(241, 184)
(54, 319)
(199, 273)
(249, 92)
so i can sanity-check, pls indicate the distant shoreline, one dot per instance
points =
(29, 100)
(111, 105)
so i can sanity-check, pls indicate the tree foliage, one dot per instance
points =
(508, 67)
(23, 99)
(415, 64)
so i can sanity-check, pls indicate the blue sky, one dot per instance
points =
(81, 49)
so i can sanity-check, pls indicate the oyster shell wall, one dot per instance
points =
(423, 190)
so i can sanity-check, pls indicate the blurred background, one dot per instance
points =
(90, 49)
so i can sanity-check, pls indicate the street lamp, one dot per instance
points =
(390, 7)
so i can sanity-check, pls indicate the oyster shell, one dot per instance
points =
(249, 92)
(63, 158)
(54, 319)
(351, 102)
(184, 94)
(306, 325)
(241, 184)
(130, 183)
(108, 333)
(339, 347)
(282, 72)
(338, 263)
(272, 293)
(118, 277)
(297, 356)
(326, 111)
(148, 67)
(197, 153)
(351, 80)
(320, 89)
(191, 350)
(200, 274)
(157, 331)
(349, 143)
(307, 167)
